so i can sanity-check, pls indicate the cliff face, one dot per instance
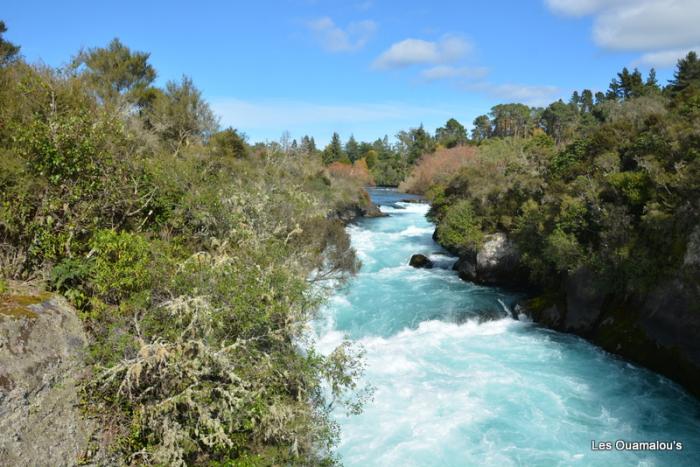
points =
(658, 329)
(41, 364)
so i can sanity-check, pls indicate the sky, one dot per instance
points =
(368, 67)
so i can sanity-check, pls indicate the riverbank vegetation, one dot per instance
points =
(195, 260)
(610, 182)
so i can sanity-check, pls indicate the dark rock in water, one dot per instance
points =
(413, 200)
(355, 211)
(466, 268)
(373, 211)
(420, 261)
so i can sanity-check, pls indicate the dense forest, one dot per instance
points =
(610, 181)
(194, 260)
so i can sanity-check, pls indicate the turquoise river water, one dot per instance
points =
(458, 381)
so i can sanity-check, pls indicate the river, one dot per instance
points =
(459, 382)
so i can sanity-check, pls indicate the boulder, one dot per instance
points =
(353, 212)
(466, 268)
(498, 261)
(42, 347)
(420, 261)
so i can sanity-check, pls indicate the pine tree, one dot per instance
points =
(334, 151)
(687, 74)
(352, 149)
(8, 50)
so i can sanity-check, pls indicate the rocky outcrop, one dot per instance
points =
(658, 329)
(41, 363)
(352, 212)
(496, 262)
(420, 261)
(466, 267)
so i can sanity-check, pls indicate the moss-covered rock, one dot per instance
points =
(41, 365)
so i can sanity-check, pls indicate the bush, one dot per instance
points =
(437, 168)
(121, 264)
(460, 230)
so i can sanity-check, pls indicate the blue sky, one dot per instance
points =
(369, 67)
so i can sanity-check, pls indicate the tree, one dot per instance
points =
(687, 74)
(586, 101)
(482, 128)
(334, 150)
(115, 71)
(628, 85)
(352, 149)
(452, 134)
(228, 143)
(415, 142)
(308, 145)
(575, 100)
(370, 158)
(559, 120)
(8, 50)
(511, 120)
(181, 116)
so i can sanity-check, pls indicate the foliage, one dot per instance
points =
(228, 144)
(452, 134)
(181, 116)
(195, 261)
(459, 229)
(116, 72)
(611, 184)
(8, 50)
(333, 152)
(357, 171)
(436, 168)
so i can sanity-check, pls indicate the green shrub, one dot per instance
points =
(633, 186)
(460, 230)
(70, 277)
(121, 264)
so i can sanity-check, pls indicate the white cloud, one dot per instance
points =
(583, 7)
(421, 52)
(665, 58)
(649, 25)
(448, 72)
(336, 39)
(527, 94)
(658, 28)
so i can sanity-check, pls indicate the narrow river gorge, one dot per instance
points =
(460, 382)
